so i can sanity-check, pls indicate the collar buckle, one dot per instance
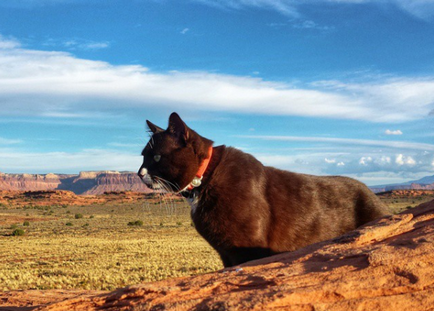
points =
(196, 182)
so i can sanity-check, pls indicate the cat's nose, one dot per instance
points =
(142, 172)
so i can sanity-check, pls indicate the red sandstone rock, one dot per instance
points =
(30, 181)
(385, 265)
(88, 183)
(117, 182)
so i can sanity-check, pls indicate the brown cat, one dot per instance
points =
(244, 209)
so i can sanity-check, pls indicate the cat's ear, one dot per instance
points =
(154, 129)
(177, 127)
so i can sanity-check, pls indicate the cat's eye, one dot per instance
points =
(157, 158)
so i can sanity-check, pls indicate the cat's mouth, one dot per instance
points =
(153, 182)
(146, 178)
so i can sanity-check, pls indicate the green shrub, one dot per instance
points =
(91, 216)
(14, 226)
(18, 232)
(68, 224)
(26, 223)
(135, 223)
(78, 216)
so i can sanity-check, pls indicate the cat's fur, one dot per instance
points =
(246, 210)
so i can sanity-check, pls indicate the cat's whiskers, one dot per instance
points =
(167, 201)
(169, 185)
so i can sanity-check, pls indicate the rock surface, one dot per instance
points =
(385, 265)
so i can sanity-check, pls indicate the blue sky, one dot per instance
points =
(320, 86)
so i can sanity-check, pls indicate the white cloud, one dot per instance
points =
(341, 164)
(330, 160)
(36, 82)
(365, 160)
(404, 160)
(184, 31)
(8, 43)
(395, 132)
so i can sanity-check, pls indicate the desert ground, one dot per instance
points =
(108, 242)
(103, 245)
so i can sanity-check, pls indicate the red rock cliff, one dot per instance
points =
(117, 182)
(84, 183)
(30, 181)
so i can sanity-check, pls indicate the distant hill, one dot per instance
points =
(425, 183)
(84, 183)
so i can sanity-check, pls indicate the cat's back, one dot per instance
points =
(280, 187)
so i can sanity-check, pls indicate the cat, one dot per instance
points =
(246, 210)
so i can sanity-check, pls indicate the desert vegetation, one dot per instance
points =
(401, 200)
(112, 244)
(105, 247)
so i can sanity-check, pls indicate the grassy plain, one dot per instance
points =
(100, 250)
(93, 247)
(408, 199)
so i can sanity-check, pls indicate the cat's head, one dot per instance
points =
(173, 156)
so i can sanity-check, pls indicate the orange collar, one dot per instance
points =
(197, 180)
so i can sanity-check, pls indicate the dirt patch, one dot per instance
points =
(10, 220)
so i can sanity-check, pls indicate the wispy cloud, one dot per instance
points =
(309, 24)
(62, 84)
(420, 8)
(73, 44)
(393, 132)
(185, 30)
(26, 4)
(86, 45)
(348, 141)
(7, 141)
(285, 7)
(298, 23)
